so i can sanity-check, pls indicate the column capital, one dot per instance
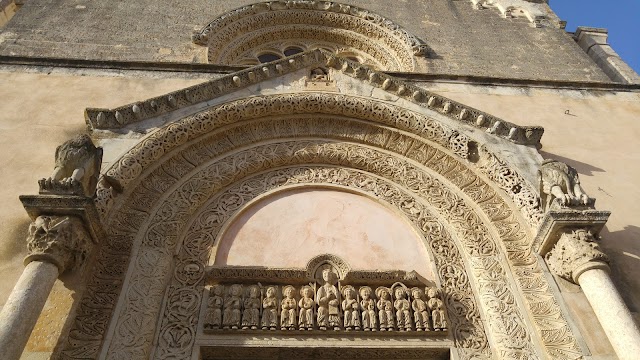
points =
(576, 252)
(59, 240)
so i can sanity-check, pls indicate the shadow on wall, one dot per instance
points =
(582, 168)
(623, 247)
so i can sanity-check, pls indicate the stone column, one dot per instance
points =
(577, 257)
(55, 244)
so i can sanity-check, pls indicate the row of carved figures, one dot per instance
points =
(386, 309)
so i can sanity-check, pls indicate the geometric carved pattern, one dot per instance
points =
(402, 189)
(239, 34)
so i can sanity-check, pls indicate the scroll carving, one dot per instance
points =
(60, 240)
(575, 252)
(77, 168)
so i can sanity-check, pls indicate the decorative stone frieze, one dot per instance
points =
(575, 253)
(60, 240)
(334, 306)
(533, 10)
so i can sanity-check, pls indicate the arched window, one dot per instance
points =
(301, 26)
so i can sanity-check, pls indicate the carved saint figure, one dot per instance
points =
(251, 314)
(306, 304)
(420, 310)
(289, 309)
(328, 302)
(436, 306)
(232, 305)
(270, 309)
(368, 307)
(213, 317)
(385, 308)
(559, 184)
(350, 308)
(402, 306)
(78, 164)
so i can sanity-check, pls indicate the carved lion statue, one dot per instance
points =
(77, 168)
(559, 184)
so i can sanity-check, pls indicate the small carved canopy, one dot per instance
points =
(319, 263)
(285, 28)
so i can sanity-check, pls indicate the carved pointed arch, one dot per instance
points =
(184, 181)
(243, 35)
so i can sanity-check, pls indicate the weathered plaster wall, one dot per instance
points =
(465, 41)
(39, 112)
(289, 228)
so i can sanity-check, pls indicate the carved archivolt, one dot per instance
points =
(195, 190)
(243, 33)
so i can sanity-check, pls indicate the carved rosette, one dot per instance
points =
(60, 240)
(575, 253)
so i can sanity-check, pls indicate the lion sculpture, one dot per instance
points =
(560, 186)
(77, 168)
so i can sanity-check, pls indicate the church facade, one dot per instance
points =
(316, 179)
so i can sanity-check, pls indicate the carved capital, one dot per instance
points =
(60, 240)
(575, 253)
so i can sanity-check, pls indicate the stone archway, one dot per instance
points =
(232, 153)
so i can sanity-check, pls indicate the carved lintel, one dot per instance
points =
(60, 240)
(575, 253)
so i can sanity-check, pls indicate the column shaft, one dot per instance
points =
(21, 311)
(612, 312)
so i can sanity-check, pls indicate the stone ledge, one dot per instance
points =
(555, 221)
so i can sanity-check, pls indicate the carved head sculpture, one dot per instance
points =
(319, 74)
(432, 292)
(271, 291)
(306, 292)
(288, 291)
(399, 293)
(416, 293)
(236, 290)
(216, 290)
(328, 275)
(348, 292)
(383, 293)
(253, 291)
(365, 292)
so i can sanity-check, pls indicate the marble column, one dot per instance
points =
(577, 257)
(55, 244)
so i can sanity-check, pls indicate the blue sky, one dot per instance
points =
(620, 17)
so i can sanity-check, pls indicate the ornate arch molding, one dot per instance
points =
(167, 158)
(233, 36)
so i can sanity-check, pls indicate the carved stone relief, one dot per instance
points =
(172, 213)
(574, 253)
(560, 187)
(231, 35)
(77, 168)
(59, 240)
